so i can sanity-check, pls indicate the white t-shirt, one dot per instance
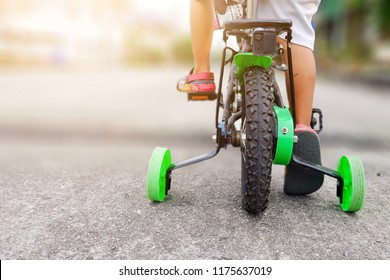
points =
(300, 12)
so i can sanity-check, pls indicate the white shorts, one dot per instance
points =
(300, 12)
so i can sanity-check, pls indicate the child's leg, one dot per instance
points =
(202, 27)
(300, 180)
(304, 68)
(200, 81)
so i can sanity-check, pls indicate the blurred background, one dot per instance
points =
(129, 33)
(89, 67)
(71, 33)
(354, 35)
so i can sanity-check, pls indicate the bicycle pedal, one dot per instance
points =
(202, 96)
(316, 121)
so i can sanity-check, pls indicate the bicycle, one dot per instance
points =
(255, 118)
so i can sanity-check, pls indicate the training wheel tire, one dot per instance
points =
(156, 182)
(351, 170)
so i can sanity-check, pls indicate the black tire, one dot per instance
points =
(258, 149)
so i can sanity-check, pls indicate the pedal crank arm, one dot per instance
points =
(324, 170)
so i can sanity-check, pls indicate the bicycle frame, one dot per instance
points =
(248, 55)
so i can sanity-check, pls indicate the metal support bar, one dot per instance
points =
(235, 117)
(324, 170)
(219, 93)
(194, 160)
(220, 103)
(291, 75)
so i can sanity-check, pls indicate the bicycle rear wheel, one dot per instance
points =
(258, 128)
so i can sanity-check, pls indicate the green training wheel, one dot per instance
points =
(351, 170)
(156, 181)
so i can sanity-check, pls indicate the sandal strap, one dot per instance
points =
(201, 76)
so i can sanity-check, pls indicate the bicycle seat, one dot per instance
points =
(279, 25)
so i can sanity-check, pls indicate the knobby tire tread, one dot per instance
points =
(258, 153)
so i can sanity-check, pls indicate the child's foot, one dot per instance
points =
(199, 86)
(301, 180)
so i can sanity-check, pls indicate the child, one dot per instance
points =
(298, 180)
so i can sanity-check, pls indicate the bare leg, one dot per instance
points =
(304, 67)
(300, 180)
(202, 26)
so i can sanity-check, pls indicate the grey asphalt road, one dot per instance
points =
(74, 151)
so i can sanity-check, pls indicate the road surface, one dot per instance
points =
(74, 151)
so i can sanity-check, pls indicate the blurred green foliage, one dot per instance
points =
(382, 12)
(351, 31)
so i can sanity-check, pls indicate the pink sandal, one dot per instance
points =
(199, 86)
